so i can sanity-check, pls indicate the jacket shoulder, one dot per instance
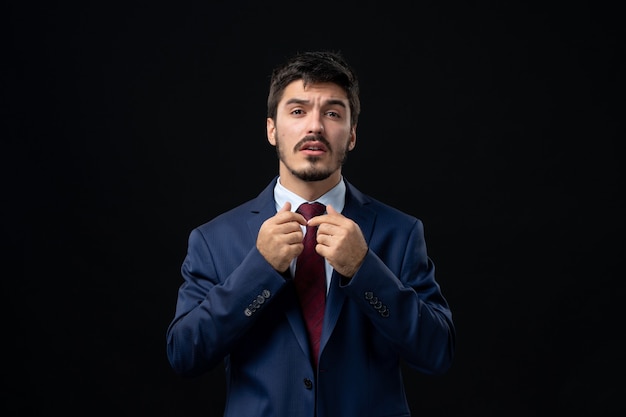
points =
(388, 213)
(260, 207)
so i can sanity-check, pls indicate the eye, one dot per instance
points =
(297, 111)
(333, 114)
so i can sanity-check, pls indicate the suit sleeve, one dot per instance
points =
(214, 311)
(396, 289)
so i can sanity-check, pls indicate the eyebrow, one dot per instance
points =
(332, 101)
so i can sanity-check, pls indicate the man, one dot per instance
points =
(241, 302)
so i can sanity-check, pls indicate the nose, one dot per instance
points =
(316, 126)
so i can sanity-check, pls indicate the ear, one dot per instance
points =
(352, 140)
(271, 131)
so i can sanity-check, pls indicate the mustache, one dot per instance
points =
(313, 138)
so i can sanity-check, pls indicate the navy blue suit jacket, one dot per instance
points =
(234, 307)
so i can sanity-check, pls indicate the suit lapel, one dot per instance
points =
(262, 208)
(356, 208)
(295, 319)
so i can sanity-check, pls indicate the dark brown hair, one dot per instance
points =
(315, 67)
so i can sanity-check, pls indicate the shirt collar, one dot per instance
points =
(336, 197)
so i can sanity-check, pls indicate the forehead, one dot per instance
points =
(314, 91)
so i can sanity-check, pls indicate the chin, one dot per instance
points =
(311, 175)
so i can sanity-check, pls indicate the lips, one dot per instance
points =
(313, 146)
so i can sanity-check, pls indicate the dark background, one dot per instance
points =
(499, 124)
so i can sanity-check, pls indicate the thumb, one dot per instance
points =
(285, 207)
(331, 210)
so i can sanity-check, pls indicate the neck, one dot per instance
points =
(309, 190)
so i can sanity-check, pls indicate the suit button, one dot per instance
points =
(308, 384)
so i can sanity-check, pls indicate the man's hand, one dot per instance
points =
(340, 241)
(280, 238)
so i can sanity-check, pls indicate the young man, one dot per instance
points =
(241, 300)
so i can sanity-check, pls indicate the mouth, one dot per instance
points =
(313, 150)
(313, 147)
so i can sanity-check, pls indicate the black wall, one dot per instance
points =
(499, 124)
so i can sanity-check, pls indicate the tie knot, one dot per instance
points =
(310, 210)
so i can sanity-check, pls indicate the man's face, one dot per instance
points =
(312, 131)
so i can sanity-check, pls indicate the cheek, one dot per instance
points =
(287, 134)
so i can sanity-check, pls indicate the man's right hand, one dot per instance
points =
(280, 238)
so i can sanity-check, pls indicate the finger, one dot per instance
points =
(292, 237)
(285, 207)
(324, 240)
(328, 229)
(330, 217)
(285, 215)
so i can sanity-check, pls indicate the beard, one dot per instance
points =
(314, 172)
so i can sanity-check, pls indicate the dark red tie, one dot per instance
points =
(310, 280)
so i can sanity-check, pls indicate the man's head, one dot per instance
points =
(313, 108)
